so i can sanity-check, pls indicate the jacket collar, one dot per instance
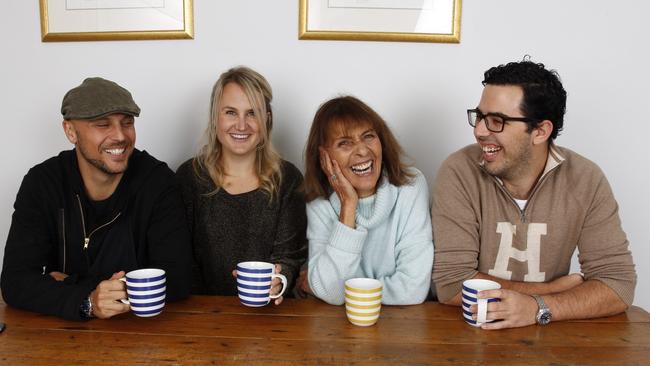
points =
(140, 166)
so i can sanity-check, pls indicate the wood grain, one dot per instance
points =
(219, 330)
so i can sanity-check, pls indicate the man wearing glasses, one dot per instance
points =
(513, 208)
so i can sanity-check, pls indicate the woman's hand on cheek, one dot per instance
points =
(343, 188)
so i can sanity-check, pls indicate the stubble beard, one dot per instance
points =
(515, 165)
(98, 163)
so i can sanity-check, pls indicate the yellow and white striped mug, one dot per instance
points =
(363, 301)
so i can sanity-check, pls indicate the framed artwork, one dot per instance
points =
(105, 20)
(381, 20)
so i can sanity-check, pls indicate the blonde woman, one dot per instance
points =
(242, 200)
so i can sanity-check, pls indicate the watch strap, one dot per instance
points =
(544, 314)
(540, 302)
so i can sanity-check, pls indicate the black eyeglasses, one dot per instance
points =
(494, 122)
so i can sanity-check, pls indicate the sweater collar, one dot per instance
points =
(372, 211)
(553, 160)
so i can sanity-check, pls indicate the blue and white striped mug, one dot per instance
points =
(471, 288)
(254, 283)
(146, 291)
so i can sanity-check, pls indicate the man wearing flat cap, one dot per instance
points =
(85, 217)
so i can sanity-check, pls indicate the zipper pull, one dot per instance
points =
(86, 241)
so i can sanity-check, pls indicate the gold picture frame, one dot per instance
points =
(382, 8)
(65, 25)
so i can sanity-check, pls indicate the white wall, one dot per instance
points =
(599, 47)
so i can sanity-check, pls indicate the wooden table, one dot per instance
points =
(219, 330)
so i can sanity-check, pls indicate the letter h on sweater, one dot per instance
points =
(531, 255)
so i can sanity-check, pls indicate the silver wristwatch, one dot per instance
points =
(86, 308)
(544, 314)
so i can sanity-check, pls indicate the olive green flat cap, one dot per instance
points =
(96, 98)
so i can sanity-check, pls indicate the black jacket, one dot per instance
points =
(141, 225)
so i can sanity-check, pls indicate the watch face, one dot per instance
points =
(86, 308)
(544, 317)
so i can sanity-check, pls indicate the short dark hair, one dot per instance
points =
(544, 97)
(347, 112)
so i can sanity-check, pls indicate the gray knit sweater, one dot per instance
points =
(227, 229)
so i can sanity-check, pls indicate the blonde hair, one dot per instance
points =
(259, 94)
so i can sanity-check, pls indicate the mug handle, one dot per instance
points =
(124, 301)
(481, 314)
(284, 284)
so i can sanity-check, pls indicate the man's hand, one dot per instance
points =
(59, 276)
(106, 297)
(515, 309)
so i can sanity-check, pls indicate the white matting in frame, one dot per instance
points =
(113, 4)
(379, 4)
(381, 20)
(88, 20)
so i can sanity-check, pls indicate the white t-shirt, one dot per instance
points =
(521, 203)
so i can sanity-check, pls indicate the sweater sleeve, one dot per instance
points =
(334, 252)
(290, 244)
(603, 248)
(410, 282)
(31, 245)
(455, 232)
(168, 239)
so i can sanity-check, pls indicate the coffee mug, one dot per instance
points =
(469, 297)
(146, 291)
(363, 301)
(254, 283)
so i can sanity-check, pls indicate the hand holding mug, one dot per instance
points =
(256, 285)
(476, 302)
(107, 295)
(515, 309)
(146, 291)
(277, 286)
